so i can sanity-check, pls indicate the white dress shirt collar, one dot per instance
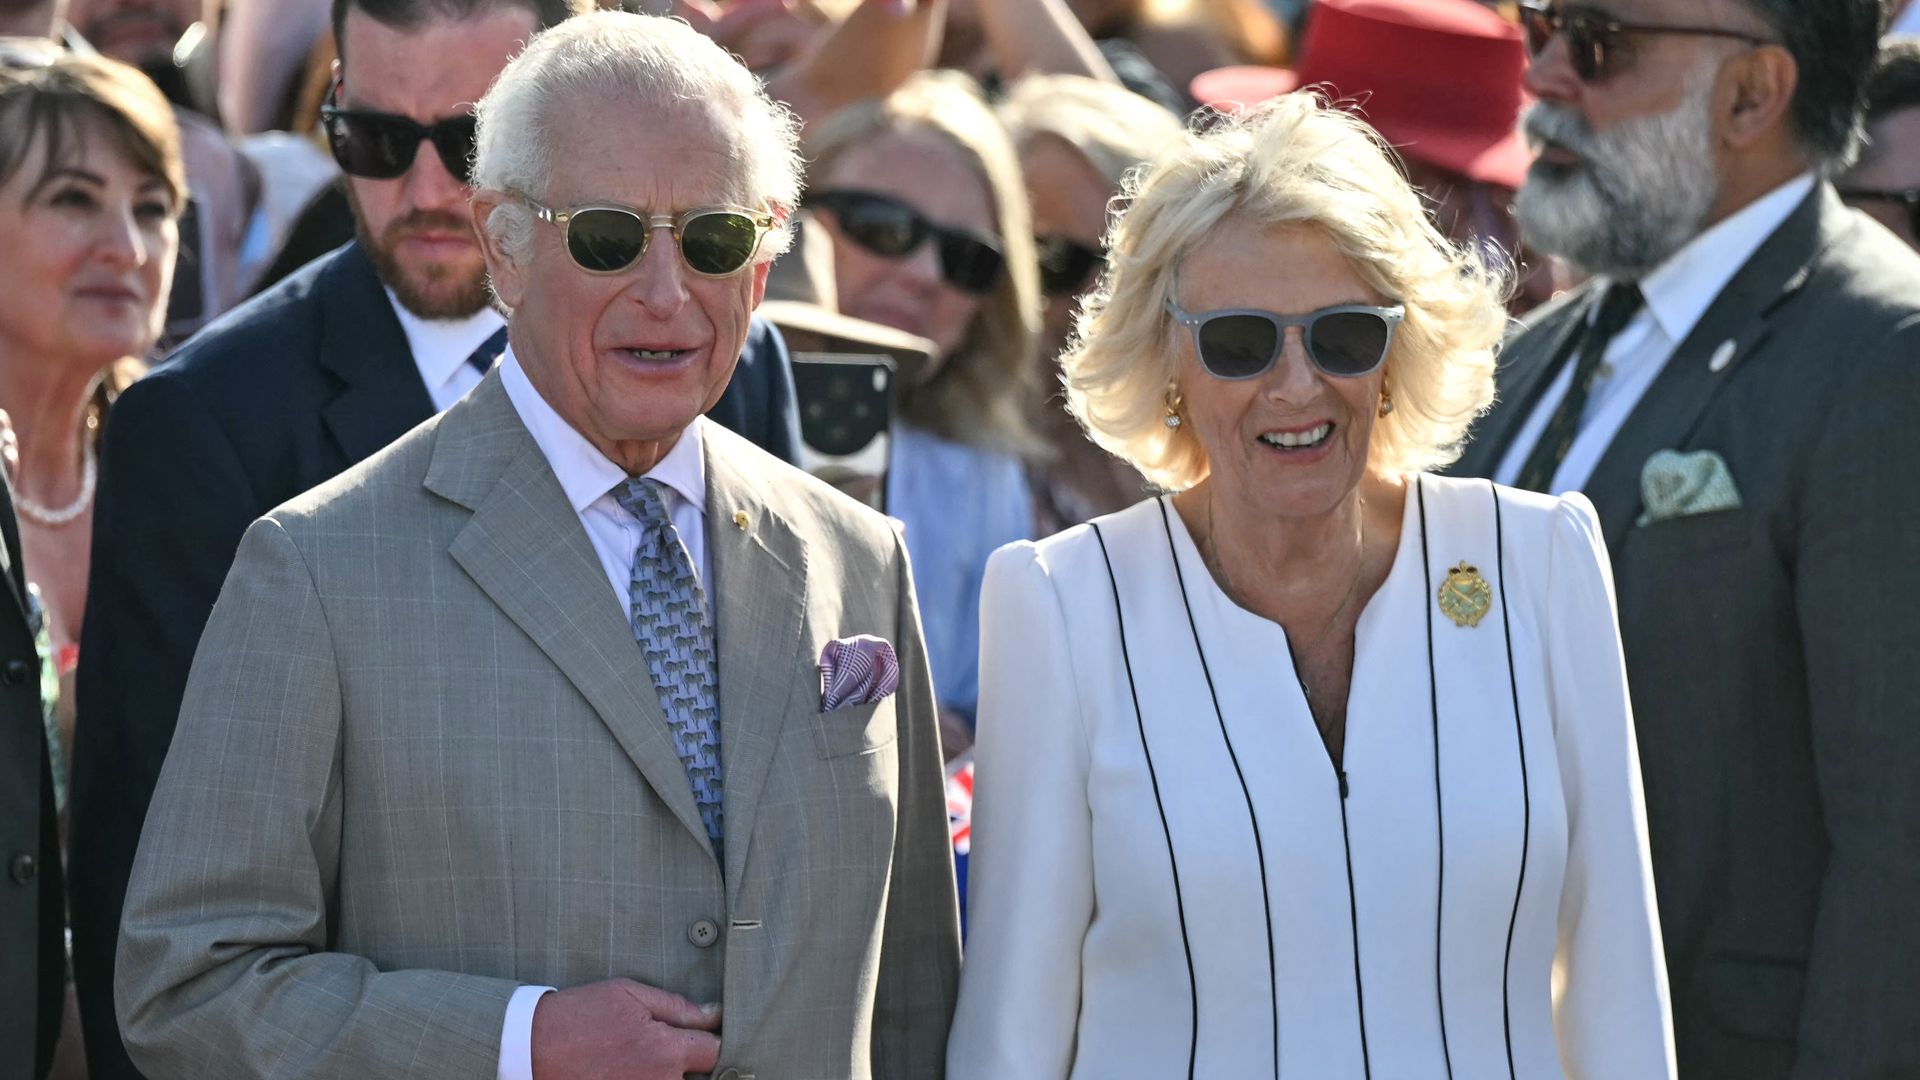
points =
(585, 474)
(1680, 290)
(441, 347)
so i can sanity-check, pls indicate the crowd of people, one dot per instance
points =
(1391, 558)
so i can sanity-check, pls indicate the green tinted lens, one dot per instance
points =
(718, 243)
(605, 240)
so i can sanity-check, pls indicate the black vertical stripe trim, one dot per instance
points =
(1259, 848)
(1439, 816)
(1526, 792)
(1153, 778)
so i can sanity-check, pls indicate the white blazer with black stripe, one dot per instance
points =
(1171, 878)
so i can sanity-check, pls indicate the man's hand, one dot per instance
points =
(622, 1030)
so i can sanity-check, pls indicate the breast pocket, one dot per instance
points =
(857, 729)
(1722, 530)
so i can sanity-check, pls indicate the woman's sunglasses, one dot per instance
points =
(606, 239)
(893, 230)
(1594, 38)
(1065, 264)
(1242, 343)
(1909, 198)
(381, 146)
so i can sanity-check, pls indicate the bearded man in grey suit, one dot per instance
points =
(568, 687)
(1738, 393)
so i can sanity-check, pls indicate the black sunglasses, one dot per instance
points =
(893, 230)
(607, 238)
(1593, 37)
(1909, 198)
(1242, 343)
(1065, 264)
(381, 146)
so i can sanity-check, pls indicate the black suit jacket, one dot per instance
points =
(278, 396)
(33, 965)
(1774, 650)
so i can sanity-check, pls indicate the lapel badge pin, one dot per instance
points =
(740, 519)
(1722, 357)
(1465, 597)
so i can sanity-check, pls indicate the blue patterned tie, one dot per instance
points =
(489, 351)
(670, 621)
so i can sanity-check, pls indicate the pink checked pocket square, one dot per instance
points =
(857, 671)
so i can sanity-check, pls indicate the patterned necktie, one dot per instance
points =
(489, 351)
(1617, 308)
(671, 623)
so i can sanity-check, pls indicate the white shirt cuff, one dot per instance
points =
(516, 1034)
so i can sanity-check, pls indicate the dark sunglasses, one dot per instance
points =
(1909, 198)
(1242, 343)
(381, 146)
(891, 229)
(1065, 264)
(1594, 38)
(608, 238)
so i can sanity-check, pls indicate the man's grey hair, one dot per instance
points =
(656, 63)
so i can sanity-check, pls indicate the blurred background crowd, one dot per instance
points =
(962, 157)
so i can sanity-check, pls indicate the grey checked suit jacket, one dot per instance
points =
(1774, 650)
(420, 763)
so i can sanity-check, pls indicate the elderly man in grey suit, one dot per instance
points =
(568, 687)
(1738, 392)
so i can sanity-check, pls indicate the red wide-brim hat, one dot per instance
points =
(1439, 79)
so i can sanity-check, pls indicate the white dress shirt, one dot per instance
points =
(1678, 295)
(588, 479)
(440, 349)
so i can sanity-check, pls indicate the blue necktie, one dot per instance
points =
(489, 351)
(672, 624)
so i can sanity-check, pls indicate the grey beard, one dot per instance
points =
(1641, 191)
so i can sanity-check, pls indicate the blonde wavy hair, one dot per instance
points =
(981, 394)
(1292, 160)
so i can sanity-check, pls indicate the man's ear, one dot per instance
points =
(502, 268)
(1765, 80)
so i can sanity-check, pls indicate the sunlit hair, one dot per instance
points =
(57, 99)
(981, 393)
(658, 66)
(1112, 127)
(1293, 160)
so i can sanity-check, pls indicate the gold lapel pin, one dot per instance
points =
(740, 520)
(1465, 597)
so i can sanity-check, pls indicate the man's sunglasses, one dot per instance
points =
(1242, 343)
(1065, 264)
(1594, 38)
(608, 238)
(1909, 198)
(381, 146)
(893, 230)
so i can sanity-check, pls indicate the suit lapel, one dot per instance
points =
(362, 344)
(1732, 328)
(758, 569)
(526, 549)
(1525, 374)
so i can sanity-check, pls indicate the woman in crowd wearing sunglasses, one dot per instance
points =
(1323, 766)
(1077, 137)
(91, 186)
(920, 194)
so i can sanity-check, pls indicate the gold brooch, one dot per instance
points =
(1465, 596)
(740, 519)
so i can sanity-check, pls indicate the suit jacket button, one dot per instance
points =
(703, 933)
(732, 1074)
(16, 673)
(23, 868)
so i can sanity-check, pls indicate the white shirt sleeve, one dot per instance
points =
(1612, 1014)
(516, 1033)
(1030, 873)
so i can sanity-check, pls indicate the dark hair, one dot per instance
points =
(409, 14)
(1894, 85)
(1833, 42)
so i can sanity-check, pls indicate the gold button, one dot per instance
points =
(740, 518)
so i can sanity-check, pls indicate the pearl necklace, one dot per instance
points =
(60, 515)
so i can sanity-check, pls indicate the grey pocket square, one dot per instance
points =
(1676, 485)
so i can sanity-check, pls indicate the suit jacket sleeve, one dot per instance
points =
(223, 965)
(1858, 594)
(1614, 1017)
(1030, 875)
(920, 950)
